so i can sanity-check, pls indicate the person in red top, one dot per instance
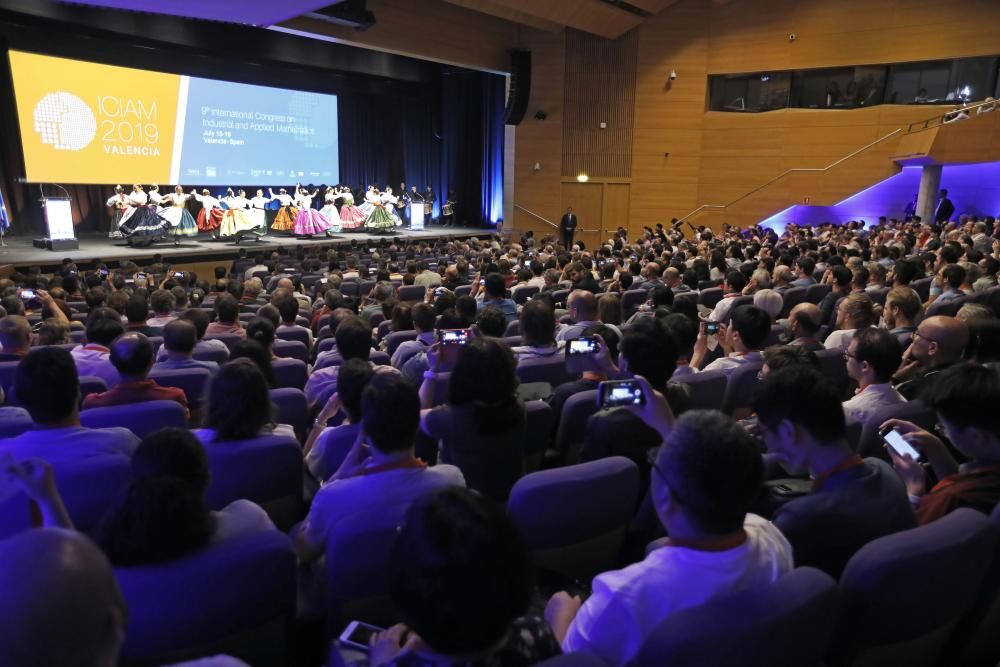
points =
(965, 397)
(132, 356)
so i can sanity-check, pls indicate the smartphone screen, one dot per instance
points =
(711, 328)
(898, 443)
(140, 276)
(582, 346)
(179, 274)
(103, 272)
(620, 392)
(27, 294)
(358, 635)
(454, 336)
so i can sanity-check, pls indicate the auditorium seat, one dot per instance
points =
(572, 428)
(632, 299)
(359, 570)
(522, 294)
(7, 370)
(384, 329)
(292, 409)
(463, 290)
(512, 341)
(773, 336)
(513, 329)
(377, 357)
(235, 597)
(686, 298)
(709, 297)
(90, 384)
(708, 388)
(787, 623)
(922, 287)
(291, 349)
(211, 354)
(574, 518)
(739, 388)
(88, 486)
(537, 432)
(976, 640)
(411, 293)
(376, 318)
(266, 470)
(793, 297)
(394, 339)
(290, 372)
(194, 382)
(871, 444)
(946, 308)
(14, 421)
(551, 370)
(290, 334)
(817, 292)
(902, 595)
(140, 418)
(230, 339)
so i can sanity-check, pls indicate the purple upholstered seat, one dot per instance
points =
(290, 372)
(411, 292)
(793, 297)
(633, 298)
(194, 381)
(572, 429)
(817, 292)
(14, 421)
(785, 624)
(740, 386)
(90, 384)
(140, 418)
(396, 338)
(522, 294)
(903, 594)
(287, 333)
(870, 443)
(291, 349)
(235, 597)
(513, 329)
(230, 339)
(543, 369)
(574, 518)
(212, 353)
(708, 388)
(709, 297)
(292, 408)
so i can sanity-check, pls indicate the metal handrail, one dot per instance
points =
(925, 125)
(549, 222)
(792, 171)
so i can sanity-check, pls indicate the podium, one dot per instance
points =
(416, 215)
(60, 234)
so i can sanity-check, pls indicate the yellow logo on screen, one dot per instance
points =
(65, 122)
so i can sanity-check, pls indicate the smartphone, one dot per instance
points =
(615, 393)
(357, 635)
(27, 294)
(895, 440)
(581, 346)
(439, 291)
(453, 336)
(179, 274)
(482, 281)
(103, 273)
(712, 328)
(580, 355)
(140, 276)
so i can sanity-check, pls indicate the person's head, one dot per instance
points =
(582, 306)
(48, 387)
(706, 476)
(288, 307)
(537, 323)
(354, 338)
(390, 413)
(770, 301)
(805, 266)
(402, 319)
(162, 302)
(647, 349)
(61, 603)
(492, 322)
(798, 410)
(735, 281)
(136, 309)
(172, 452)
(684, 331)
(495, 286)
(873, 356)
(777, 357)
(132, 356)
(197, 317)
(749, 327)
(609, 307)
(661, 295)
(180, 337)
(261, 330)
(804, 320)
(965, 398)
(52, 332)
(902, 304)
(259, 355)
(353, 376)
(423, 317)
(856, 311)
(939, 340)
(15, 334)
(238, 402)
(456, 549)
(227, 309)
(972, 312)
(951, 276)
(495, 400)
(905, 271)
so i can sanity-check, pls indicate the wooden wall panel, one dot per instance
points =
(604, 93)
(587, 201)
(615, 212)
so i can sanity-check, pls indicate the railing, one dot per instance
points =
(797, 170)
(935, 121)
(549, 222)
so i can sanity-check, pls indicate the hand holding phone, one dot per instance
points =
(618, 393)
(580, 355)
(449, 337)
(358, 635)
(895, 441)
(712, 328)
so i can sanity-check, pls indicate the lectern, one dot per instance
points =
(417, 215)
(58, 225)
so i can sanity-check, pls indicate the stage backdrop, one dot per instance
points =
(446, 133)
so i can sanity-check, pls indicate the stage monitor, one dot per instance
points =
(83, 122)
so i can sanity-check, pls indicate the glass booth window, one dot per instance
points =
(749, 92)
(942, 81)
(839, 87)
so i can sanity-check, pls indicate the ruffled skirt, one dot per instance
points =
(258, 218)
(309, 221)
(181, 221)
(380, 219)
(367, 207)
(285, 221)
(209, 222)
(235, 220)
(332, 216)
(144, 222)
(352, 217)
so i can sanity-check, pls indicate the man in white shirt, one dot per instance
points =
(582, 307)
(258, 266)
(706, 476)
(856, 311)
(94, 358)
(733, 288)
(950, 278)
(740, 340)
(426, 277)
(288, 307)
(872, 356)
(380, 470)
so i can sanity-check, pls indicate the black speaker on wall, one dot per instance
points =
(520, 87)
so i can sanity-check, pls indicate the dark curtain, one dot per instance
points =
(491, 185)
(370, 139)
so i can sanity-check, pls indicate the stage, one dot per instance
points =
(19, 250)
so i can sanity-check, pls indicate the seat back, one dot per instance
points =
(708, 389)
(709, 297)
(266, 470)
(574, 518)
(976, 639)
(833, 366)
(194, 381)
(870, 443)
(412, 292)
(396, 338)
(236, 597)
(14, 421)
(140, 418)
(572, 429)
(292, 409)
(290, 373)
(230, 339)
(878, 295)
(740, 386)
(817, 292)
(538, 431)
(215, 354)
(543, 369)
(793, 297)
(522, 294)
(903, 594)
(291, 349)
(288, 333)
(7, 371)
(947, 308)
(633, 298)
(513, 329)
(90, 384)
(787, 623)
(922, 287)
(360, 568)
(773, 337)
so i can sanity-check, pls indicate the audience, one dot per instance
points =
(740, 340)
(239, 406)
(179, 340)
(872, 356)
(15, 338)
(939, 342)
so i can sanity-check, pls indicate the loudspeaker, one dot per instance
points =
(520, 87)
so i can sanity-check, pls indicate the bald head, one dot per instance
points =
(132, 355)
(672, 276)
(582, 305)
(60, 603)
(940, 340)
(807, 317)
(286, 283)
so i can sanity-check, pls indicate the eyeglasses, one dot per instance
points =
(848, 356)
(917, 334)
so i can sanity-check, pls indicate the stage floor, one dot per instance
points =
(93, 246)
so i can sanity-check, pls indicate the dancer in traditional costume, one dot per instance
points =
(235, 218)
(329, 210)
(257, 213)
(309, 221)
(389, 202)
(379, 219)
(119, 205)
(173, 209)
(351, 216)
(285, 222)
(143, 226)
(372, 200)
(210, 215)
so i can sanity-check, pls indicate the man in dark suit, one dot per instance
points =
(568, 226)
(944, 209)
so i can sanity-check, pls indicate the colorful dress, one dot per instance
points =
(351, 216)
(174, 210)
(389, 204)
(371, 202)
(330, 212)
(285, 221)
(235, 219)
(380, 220)
(119, 205)
(257, 215)
(210, 215)
(309, 221)
(142, 226)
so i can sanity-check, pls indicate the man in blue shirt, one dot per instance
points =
(179, 340)
(496, 295)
